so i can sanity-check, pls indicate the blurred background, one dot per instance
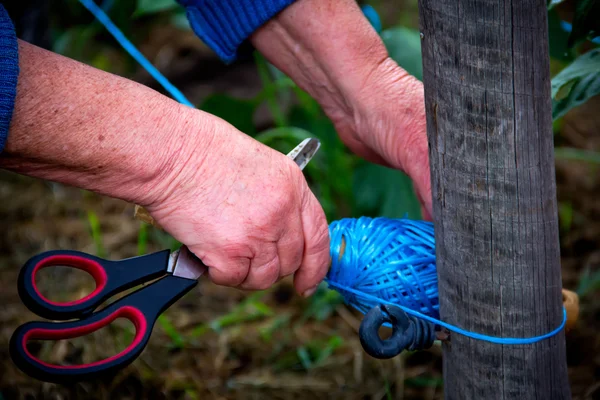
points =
(220, 343)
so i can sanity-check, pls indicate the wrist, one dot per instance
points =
(183, 161)
(391, 91)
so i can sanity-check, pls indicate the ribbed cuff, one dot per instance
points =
(9, 73)
(224, 25)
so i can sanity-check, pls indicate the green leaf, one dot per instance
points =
(273, 102)
(154, 6)
(589, 282)
(177, 339)
(238, 112)
(568, 153)
(575, 84)
(381, 191)
(142, 239)
(552, 3)
(289, 135)
(404, 46)
(304, 357)
(586, 20)
(96, 232)
(565, 215)
(180, 20)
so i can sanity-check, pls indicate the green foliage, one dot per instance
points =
(379, 191)
(404, 46)
(239, 113)
(575, 84)
(177, 340)
(153, 6)
(96, 232)
(567, 153)
(142, 239)
(586, 21)
(589, 282)
(559, 40)
(251, 309)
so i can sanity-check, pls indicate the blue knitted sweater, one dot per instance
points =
(9, 72)
(224, 25)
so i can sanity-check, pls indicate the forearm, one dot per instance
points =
(330, 50)
(83, 127)
(327, 47)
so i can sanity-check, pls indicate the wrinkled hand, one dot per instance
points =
(246, 211)
(330, 50)
(388, 126)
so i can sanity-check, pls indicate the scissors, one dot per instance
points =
(174, 274)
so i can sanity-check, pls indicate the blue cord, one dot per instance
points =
(392, 261)
(384, 261)
(134, 52)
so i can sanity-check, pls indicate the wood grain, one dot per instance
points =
(487, 95)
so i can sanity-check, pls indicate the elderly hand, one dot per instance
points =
(330, 50)
(243, 208)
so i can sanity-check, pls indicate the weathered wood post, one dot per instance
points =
(487, 94)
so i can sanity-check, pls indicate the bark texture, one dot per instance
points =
(487, 94)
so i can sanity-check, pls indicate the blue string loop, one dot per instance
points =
(392, 262)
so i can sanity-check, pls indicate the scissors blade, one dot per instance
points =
(304, 152)
(185, 264)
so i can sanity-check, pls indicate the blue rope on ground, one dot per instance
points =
(385, 261)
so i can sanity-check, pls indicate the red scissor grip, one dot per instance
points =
(141, 307)
(92, 267)
(111, 277)
(131, 313)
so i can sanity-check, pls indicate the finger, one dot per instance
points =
(316, 260)
(264, 269)
(226, 270)
(291, 249)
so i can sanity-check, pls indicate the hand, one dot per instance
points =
(246, 211)
(377, 108)
(388, 126)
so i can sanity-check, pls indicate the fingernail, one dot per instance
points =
(309, 292)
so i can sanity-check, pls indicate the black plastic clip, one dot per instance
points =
(408, 332)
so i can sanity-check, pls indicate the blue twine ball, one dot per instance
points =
(383, 259)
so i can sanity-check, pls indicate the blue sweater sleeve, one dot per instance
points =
(224, 25)
(9, 72)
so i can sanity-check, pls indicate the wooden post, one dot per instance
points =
(487, 94)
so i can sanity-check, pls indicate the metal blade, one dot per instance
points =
(304, 152)
(185, 264)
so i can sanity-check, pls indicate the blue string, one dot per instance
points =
(134, 52)
(390, 261)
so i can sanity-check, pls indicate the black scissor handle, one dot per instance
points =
(110, 277)
(142, 308)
